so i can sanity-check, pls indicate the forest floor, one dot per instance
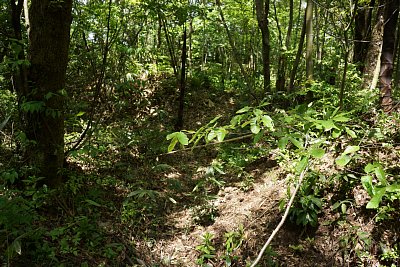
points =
(152, 208)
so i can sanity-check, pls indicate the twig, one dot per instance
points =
(302, 174)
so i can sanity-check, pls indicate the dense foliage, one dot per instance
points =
(179, 151)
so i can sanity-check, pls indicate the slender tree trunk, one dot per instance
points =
(262, 12)
(309, 37)
(388, 46)
(298, 56)
(48, 55)
(280, 76)
(182, 85)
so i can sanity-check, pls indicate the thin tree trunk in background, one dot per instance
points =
(309, 37)
(48, 55)
(262, 12)
(171, 49)
(397, 66)
(182, 85)
(371, 65)
(280, 76)
(388, 46)
(298, 56)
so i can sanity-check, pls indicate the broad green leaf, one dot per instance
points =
(255, 129)
(243, 110)
(172, 145)
(340, 118)
(301, 165)
(351, 133)
(351, 149)
(267, 121)
(80, 113)
(369, 168)
(317, 152)
(211, 135)
(336, 133)
(283, 142)
(296, 142)
(366, 182)
(376, 199)
(380, 174)
(182, 138)
(172, 135)
(328, 125)
(258, 112)
(221, 133)
(342, 160)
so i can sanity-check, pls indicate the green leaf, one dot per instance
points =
(17, 246)
(243, 110)
(172, 145)
(341, 118)
(328, 125)
(380, 174)
(317, 152)
(255, 129)
(267, 121)
(211, 135)
(369, 168)
(366, 182)
(343, 160)
(221, 133)
(301, 165)
(351, 149)
(282, 143)
(376, 199)
(182, 138)
(170, 136)
(351, 133)
(80, 113)
(296, 142)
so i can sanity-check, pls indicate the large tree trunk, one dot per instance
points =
(49, 39)
(262, 11)
(388, 46)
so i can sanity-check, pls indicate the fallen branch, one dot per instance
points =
(301, 178)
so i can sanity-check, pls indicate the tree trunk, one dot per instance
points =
(298, 55)
(182, 85)
(309, 37)
(371, 65)
(362, 34)
(388, 46)
(262, 11)
(49, 39)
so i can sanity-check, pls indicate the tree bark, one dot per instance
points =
(388, 46)
(49, 39)
(182, 85)
(371, 65)
(262, 12)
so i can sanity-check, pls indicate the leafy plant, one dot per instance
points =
(207, 250)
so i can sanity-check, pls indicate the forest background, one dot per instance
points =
(178, 133)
